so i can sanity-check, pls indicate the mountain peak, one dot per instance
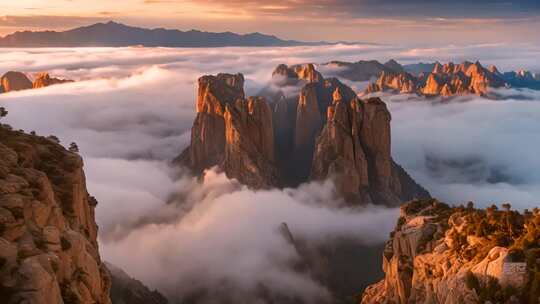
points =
(115, 34)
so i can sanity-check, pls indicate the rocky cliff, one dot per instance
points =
(48, 246)
(444, 80)
(232, 132)
(283, 139)
(439, 254)
(17, 81)
(44, 80)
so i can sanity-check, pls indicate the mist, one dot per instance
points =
(131, 111)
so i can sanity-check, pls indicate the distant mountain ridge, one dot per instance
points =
(432, 79)
(113, 34)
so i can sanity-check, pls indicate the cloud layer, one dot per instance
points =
(131, 111)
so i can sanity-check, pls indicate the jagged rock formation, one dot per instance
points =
(17, 81)
(354, 149)
(231, 132)
(363, 70)
(48, 246)
(249, 144)
(438, 254)
(445, 80)
(399, 82)
(523, 79)
(323, 132)
(284, 74)
(127, 290)
(44, 80)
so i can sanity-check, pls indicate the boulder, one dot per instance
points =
(14, 81)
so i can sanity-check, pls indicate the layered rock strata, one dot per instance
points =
(48, 234)
(438, 254)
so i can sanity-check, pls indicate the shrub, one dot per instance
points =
(3, 112)
(471, 281)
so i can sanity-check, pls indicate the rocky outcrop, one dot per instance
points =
(207, 147)
(231, 132)
(403, 83)
(354, 150)
(308, 118)
(14, 81)
(249, 143)
(438, 254)
(17, 81)
(362, 70)
(323, 132)
(44, 80)
(284, 74)
(445, 80)
(127, 290)
(309, 109)
(48, 234)
(522, 79)
(338, 152)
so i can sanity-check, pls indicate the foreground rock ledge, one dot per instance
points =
(438, 254)
(48, 247)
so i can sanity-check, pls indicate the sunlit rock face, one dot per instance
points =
(44, 80)
(284, 74)
(48, 234)
(354, 150)
(444, 80)
(17, 81)
(14, 81)
(439, 254)
(207, 147)
(398, 82)
(320, 131)
(231, 132)
(249, 144)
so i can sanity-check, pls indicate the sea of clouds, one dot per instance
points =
(131, 110)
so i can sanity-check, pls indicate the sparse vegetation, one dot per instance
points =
(519, 232)
(73, 147)
(53, 139)
(3, 112)
(489, 290)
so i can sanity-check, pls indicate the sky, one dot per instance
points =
(383, 21)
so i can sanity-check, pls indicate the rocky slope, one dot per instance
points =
(48, 247)
(127, 290)
(17, 81)
(445, 80)
(439, 254)
(321, 130)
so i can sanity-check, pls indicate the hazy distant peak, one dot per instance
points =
(114, 34)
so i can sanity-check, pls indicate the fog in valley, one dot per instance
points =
(131, 109)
